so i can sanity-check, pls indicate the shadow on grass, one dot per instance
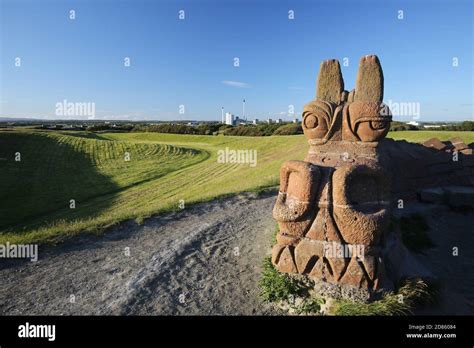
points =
(38, 189)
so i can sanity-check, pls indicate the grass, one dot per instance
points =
(163, 169)
(414, 230)
(422, 135)
(276, 286)
(412, 294)
(56, 167)
(280, 287)
(311, 305)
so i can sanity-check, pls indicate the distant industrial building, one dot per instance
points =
(238, 121)
(233, 120)
(229, 118)
(269, 121)
(278, 120)
(255, 121)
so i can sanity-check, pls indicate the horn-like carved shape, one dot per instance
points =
(330, 83)
(369, 82)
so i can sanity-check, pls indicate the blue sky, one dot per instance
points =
(184, 62)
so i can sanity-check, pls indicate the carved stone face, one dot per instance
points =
(355, 116)
(339, 195)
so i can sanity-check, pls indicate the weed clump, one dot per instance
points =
(276, 286)
(411, 294)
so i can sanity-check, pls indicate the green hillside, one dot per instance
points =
(163, 169)
(57, 168)
(421, 136)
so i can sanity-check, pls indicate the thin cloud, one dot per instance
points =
(236, 84)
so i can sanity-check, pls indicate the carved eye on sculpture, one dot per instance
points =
(317, 116)
(311, 121)
(369, 121)
(376, 125)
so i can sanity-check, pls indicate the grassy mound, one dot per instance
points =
(164, 169)
(91, 169)
(62, 178)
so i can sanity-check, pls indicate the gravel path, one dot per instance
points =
(202, 260)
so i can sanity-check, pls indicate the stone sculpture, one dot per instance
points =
(333, 207)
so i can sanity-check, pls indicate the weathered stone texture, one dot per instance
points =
(330, 84)
(339, 197)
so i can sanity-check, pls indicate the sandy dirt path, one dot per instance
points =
(203, 260)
